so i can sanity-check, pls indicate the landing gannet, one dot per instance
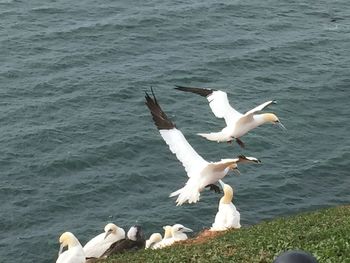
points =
(237, 124)
(99, 244)
(200, 172)
(75, 252)
(135, 240)
(227, 216)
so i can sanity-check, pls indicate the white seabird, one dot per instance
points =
(200, 172)
(134, 240)
(100, 243)
(227, 216)
(173, 234)
(167, 238)
(237, 124)
(75, 252)
(153, 240)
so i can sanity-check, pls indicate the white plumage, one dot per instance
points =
(75, 252)
(237, 124)
(227, 216)
(100, 243)
(200, 172)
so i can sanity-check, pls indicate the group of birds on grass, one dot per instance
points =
(201, 174)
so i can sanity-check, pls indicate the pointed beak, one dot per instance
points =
(236, 171)
(279, 124)
(185, 229)
(61, 249)
(107, 234)
(222, 184)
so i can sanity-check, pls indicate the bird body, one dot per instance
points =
(99, 244)
(237, 124)
(135, 240)
(75, 252)
(227, 216)
(153, 240)
(201, 173)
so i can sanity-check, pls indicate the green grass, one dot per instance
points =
(324, 233)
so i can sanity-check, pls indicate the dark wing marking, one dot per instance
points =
(159, 117)
(200, 91)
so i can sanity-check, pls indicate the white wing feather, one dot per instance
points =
(260, 107)
(184, 152)
(221, 107)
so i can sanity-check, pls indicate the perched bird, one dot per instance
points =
(173, 234)
(135, 240)
(237, 124)
(99, 244)
(178, 232)
(167, 238)
(200, 172)
(75, 252)
(153, 240)
(227, 215)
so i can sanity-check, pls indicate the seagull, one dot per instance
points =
(200, 172)
(153, 240)
(227, 216)
(99, 244)
(135, 240)
(237, 124)
(75, 252)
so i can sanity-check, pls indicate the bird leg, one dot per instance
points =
(213, 187)
(240, 143)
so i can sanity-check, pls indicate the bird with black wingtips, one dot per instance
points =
(227, 216)
(135, 240)
(74, 253)
(200, 172)
(100, 243)
(237, 124)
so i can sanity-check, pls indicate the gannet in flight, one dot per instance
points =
(99, 244)
(237, 124)
(227, 215)
(200, 172)
(75, 252)
(135, 240)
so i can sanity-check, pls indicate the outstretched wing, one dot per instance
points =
(260, 107)
(176, 141)
(218, 103)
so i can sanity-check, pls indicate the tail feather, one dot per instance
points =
(214, 136)
(188, 193)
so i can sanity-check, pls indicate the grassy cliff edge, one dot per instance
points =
(324, 233)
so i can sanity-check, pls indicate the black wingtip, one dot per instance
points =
(159, 117)
(200, 91)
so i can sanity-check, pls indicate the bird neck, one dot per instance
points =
(227, 198)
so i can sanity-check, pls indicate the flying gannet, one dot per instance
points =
(75, 252)
(99, 244)
(135, 240)
(227, 215)
(200, 172)
(237, 124)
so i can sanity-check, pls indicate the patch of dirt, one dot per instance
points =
(203, 237)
